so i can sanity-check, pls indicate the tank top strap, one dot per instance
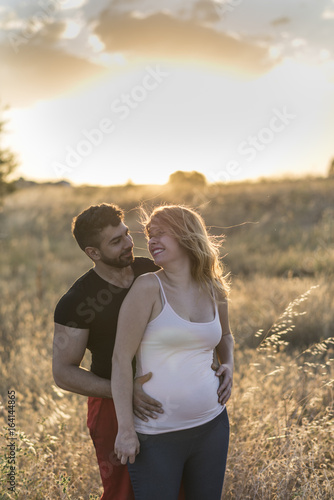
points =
(162, 291)
(214, 300)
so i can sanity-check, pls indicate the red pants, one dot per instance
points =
(102, 424)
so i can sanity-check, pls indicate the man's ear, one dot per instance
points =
(93, 253)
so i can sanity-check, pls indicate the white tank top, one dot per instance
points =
(179, 354)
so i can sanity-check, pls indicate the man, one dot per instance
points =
(86, 318)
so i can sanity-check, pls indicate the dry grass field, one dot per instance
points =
(279, 249)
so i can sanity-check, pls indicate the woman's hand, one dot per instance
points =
(127, 446)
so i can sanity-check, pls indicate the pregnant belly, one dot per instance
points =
(189, 397)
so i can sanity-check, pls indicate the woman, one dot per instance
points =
(172, 321)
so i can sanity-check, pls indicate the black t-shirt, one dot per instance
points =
(93, 303)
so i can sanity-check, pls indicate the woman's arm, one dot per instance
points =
(225, 354)
(132, 321)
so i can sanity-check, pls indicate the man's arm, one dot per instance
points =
(69, 345)
(225, 355)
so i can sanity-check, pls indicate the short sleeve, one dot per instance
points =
(70, 312)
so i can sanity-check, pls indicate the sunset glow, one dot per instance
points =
(119, 98)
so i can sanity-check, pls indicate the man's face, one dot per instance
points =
(116, 247)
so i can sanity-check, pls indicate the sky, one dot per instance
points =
(106, 92)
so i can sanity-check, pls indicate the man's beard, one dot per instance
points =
(121, 261)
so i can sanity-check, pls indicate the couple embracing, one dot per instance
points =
(170, 315)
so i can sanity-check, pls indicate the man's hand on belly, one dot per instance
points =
(143, 405)
(225, 374)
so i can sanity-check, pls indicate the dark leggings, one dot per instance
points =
(197, 456)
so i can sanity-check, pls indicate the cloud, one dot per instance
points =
(37, 73)
(50, 33)
(207, 11)
(165, 37)
(280, 21)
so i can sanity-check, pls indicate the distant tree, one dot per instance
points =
(8, 162)
(195, 179)
(331, 169)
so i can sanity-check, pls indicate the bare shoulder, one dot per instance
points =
(141, 297)
(146, 283)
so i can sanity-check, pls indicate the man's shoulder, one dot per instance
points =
(70, 308)
(78, 288)
(82, 281)
(143, 265)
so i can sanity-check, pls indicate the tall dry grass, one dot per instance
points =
(282, 315)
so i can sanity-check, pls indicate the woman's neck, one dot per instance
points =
(178, 273)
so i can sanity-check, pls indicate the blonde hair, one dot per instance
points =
(189, 229)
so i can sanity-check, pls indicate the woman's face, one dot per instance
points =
(162, 245)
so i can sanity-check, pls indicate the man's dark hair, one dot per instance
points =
(87, 226)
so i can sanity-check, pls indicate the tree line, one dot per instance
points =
(9, 162)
